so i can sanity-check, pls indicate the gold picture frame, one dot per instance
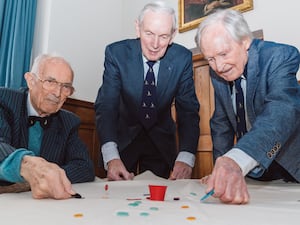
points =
(192, 12)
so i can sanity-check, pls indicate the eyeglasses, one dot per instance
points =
(51, 84)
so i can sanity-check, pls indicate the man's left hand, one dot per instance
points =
(181, 170)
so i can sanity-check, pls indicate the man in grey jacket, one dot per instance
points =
(268, 148)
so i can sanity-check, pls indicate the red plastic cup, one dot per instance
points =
(157, 192)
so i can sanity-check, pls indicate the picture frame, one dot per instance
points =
(192, 12)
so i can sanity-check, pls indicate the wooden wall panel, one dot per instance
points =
(87, 130)
(204, 92)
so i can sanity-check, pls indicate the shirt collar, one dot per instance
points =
(31, 111)
(145, 60)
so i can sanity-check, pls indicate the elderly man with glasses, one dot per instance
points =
(39, 142)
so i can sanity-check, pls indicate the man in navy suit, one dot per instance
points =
(46, 154)
(269, 147)
(128, 147)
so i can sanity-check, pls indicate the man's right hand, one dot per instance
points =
(46, 180)
(117, 171)
(228, 182)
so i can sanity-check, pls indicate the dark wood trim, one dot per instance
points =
(87, 130)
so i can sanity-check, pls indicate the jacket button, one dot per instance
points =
(269, 154)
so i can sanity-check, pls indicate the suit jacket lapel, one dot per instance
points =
(165, 75)
(136, 72)
(51, 138)
(252, 81)
(164, 78)
(228, 101)
(24, 132)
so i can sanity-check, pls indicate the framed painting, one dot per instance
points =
(192, 12)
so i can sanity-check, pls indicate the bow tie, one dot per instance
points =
(44, 121)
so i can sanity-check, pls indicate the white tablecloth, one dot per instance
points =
(271, 203)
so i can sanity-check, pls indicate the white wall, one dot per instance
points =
(80, 30)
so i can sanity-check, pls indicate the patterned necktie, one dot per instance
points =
(240, 109)
(148, 105)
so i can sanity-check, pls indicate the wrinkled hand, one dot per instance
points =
(181, 170)
(117, 171)
(46, 180)
(228, 182)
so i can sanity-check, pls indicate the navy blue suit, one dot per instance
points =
(119, 98)
(60, 142)
(273, 108)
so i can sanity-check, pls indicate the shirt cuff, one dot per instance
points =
(187, 158)
(109, 152)
(245, 162)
